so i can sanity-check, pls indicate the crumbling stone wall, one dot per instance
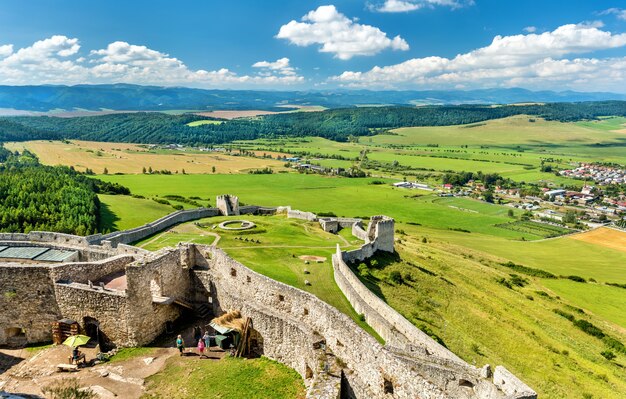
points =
(292, 318)
(27, 301)
(295, 214)
(83, 272)
(148, 229)
(107, 308)
(227, 204)
(163, 271)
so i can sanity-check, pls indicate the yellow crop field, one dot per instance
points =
(604, 236)
(132, 158)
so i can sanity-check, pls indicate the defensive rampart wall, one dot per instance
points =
(291, 321)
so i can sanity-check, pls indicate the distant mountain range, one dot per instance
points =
(123, 97)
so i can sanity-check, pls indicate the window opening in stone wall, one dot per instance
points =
(249, 279)
(306, 311)
(281, 298)
(233, 272)
(155, 287)
(466, 383)
(12, 332)
(387, 386)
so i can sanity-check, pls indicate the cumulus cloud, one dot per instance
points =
(521, 60)
(391, 6)
(281, 66)
(339, 35)
(57, 60)
(530, 29)
(618, 12)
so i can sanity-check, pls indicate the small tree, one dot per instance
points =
(106, 171)
(213, 169)
(511, 213)
(608, 355)
(143, 170)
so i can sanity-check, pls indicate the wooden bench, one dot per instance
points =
(67, 367)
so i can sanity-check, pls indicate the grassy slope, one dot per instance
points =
(121, 212)
(485, 322)
(186, 378)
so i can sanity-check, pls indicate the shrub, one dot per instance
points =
(528, 270)
(68, 389)
(561, 313)
(362, 317)
(504, 282)
(589, 328)
(518, 281)
(614, 344)
(363, 269)
(396, 277)
(178, 207)
(578, 279)
(608, 355)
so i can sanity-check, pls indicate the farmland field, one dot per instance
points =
(452, 252)
(610, 238)
(133, 158)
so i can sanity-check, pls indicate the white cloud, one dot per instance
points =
(391, 6)
(57, 60)
(281, 66)
(338, 34)
(530, 29)
(522, 60)
(6, 50)
(619, 13)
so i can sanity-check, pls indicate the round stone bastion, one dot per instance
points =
(236, 225)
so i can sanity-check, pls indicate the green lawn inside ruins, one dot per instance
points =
(295, 252)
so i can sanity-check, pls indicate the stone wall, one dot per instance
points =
(66, 240)
(82, 272)
(293, 323)
(295, 214)
(106, 308)
(141, 232)
(227, 204)
(358, 232)
(161, 274)
(27, 301)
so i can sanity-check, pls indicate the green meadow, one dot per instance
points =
(451, 252)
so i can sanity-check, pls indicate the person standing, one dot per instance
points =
(197, 333)
(180, 344)
(207, 340)
(201, 347)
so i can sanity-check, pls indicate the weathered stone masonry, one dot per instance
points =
(331, 352)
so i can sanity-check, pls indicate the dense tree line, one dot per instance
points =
(334, 124)
(38, 197)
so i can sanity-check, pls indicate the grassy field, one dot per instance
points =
(185, 378)
(273, 248)
(345, 197)
(455, 294)
(203, 122)
(121, 212)
(451, 250)
(132, 158)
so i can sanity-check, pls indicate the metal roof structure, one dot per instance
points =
(22, 252)
(35, 253)
(55, 255)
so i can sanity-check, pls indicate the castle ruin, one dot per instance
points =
(127, 296)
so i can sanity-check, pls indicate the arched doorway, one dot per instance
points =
(92, 330)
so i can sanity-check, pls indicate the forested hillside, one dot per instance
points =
(45, 198)
(125, 97)
(336, 124)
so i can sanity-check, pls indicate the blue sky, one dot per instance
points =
(288, 45)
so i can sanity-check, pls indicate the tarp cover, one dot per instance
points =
(220, 329)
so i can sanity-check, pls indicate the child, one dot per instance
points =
(201, 347)
(180, 344)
